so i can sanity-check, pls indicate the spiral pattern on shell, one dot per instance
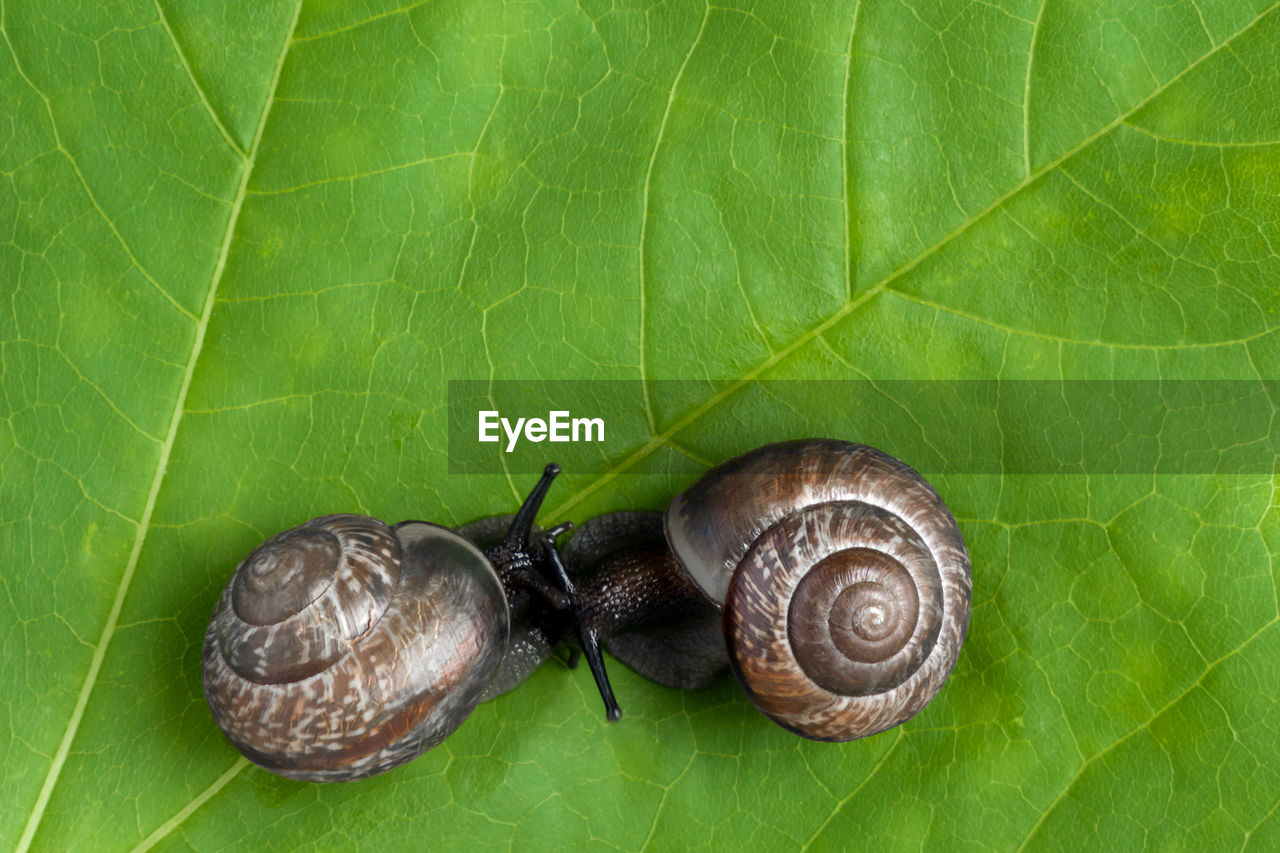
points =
(300, 598)
(344, 647)
(844, 578)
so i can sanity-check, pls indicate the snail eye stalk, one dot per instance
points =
(588, 637)
(516, 560)
(519, 558)
(522, 525)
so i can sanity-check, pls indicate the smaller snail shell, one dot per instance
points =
(298, 601)
(344, 647)
(844, 578)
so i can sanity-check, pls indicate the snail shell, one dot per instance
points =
(844, 579)
(345, 647)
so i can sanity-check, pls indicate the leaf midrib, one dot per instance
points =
(248, 161)
(666, 435)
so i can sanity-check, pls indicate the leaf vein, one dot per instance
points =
(1063, 339)
(84, 183)
(644, 219)
(1197, 684)
(195, 84)
(857, 788)
(846, 155)
(162, 463)
(199, 800)
(1199, 143)
(390, 13)
(1026, 91)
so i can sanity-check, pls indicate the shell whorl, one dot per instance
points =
(297, 602)
(395, 651)
(844, 578)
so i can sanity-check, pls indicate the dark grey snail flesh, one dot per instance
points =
(642, 604)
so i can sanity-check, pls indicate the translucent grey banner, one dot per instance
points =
(939, 427)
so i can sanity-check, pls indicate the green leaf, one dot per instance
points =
(244, 247)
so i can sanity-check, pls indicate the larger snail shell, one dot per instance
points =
(344, 647)
(844, 578)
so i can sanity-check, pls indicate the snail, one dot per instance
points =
(345, 647)
(838, 583)
(829, 576)
(843, 577)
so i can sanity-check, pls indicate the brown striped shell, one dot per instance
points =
(344, 647)
(844, 580)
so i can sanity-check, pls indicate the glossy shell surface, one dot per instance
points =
(844, 579)
(344, 647)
